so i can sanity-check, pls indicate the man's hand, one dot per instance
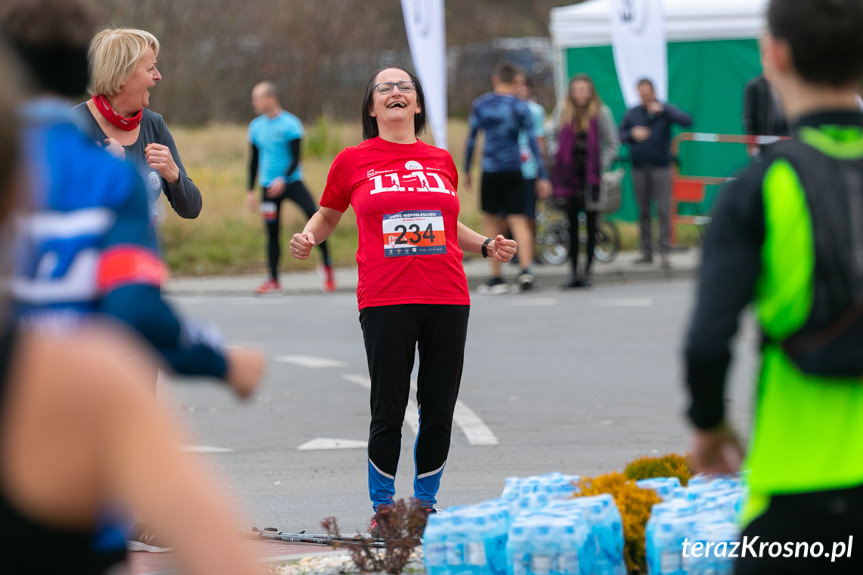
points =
(716, 450)
(655, 108)
(252, 201)
(640, 133)
(245, 370)
(502, 249)
(275, 189)
(302, 244)
(543, 189)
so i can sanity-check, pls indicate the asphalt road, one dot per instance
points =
(576, 382)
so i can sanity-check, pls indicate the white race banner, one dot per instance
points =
(424, 21)
(639, 47)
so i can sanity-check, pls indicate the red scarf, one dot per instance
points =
(110, 114)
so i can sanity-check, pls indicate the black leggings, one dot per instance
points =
(825, 518)
(297, 192)
(573, 208)
(392, 334)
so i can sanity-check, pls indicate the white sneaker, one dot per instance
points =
(525, 281)
(141, 546)
(494, 286)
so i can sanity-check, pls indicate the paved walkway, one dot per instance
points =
(621, 270)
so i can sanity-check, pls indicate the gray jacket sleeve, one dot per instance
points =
(608, 137)
(185, 197)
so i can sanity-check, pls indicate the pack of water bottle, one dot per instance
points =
(545, 543)
(535, 528)
(469, 540)
(578, 536)
(536, 491)
(680, 528)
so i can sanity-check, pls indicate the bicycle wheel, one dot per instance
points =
(553, 244)
(607, 241)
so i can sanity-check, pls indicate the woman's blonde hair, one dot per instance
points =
(576, 116)
(114, 54)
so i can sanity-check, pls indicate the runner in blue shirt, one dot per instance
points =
(530, 164)
(501, 115)
(274, 139)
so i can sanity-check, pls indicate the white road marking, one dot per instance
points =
(309, 361)
(360, 380)
(321, 443)
(476, 432)
(206, 449)
(636, 302)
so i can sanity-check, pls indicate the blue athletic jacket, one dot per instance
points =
(85, 244)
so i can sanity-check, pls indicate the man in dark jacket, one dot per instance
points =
(647, 130)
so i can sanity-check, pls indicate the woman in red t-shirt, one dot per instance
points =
(412, 290)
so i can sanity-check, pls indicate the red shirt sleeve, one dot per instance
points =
(337, 193)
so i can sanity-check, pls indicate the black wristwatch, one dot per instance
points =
(485, 247)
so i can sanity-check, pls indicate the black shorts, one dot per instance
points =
(502, 193)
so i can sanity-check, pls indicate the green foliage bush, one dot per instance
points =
(669, 465)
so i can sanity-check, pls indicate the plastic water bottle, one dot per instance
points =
(518, 549)
(544, 549)
(664, 556)
(570, 536)
(612, 545)
(603, 547)
(496, 536)
(434, 545)
(712, 531)
(456, 546)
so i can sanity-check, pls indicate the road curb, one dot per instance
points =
(621, 271)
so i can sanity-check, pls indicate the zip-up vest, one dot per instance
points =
(830, 341)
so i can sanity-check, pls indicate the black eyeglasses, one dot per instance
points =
(385, 88)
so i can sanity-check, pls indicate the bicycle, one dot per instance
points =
(553, 239)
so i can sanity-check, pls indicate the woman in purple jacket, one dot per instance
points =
(587, 145)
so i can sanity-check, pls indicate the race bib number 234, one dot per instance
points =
(414, 233)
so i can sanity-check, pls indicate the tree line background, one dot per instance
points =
(320, 53)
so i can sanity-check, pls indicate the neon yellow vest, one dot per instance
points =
(807, 433)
